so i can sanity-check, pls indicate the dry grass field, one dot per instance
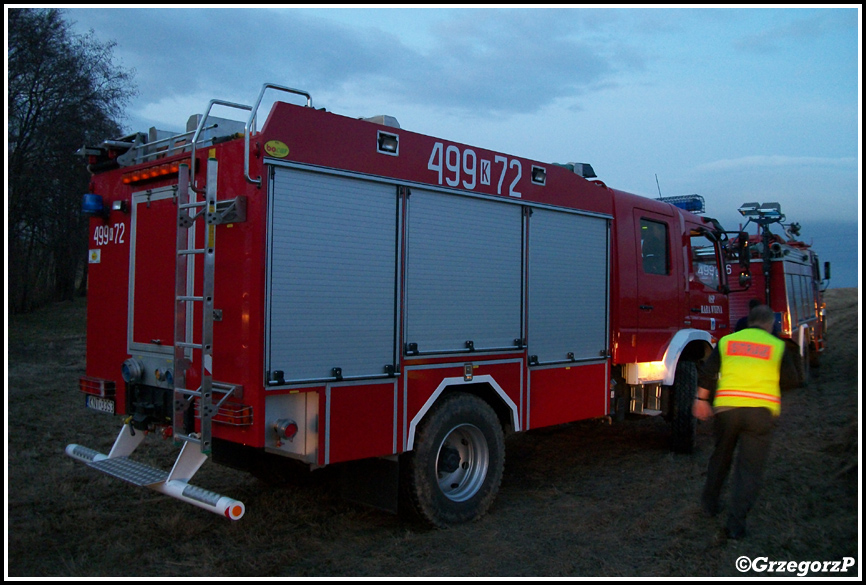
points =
(580, 500)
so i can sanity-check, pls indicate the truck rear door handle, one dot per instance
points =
(646, 307)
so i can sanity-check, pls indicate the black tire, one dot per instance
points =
(807, 364)
(683, 422)
(801, 362)
(453, 474)
(814, 358)
(620, 399)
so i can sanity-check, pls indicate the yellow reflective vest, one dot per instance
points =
(749, 374)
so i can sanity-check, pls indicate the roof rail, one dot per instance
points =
(250, 126)
(198, 131)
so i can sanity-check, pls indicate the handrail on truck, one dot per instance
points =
(198, 131)
(251, 124)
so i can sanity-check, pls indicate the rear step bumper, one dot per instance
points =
(175, 483)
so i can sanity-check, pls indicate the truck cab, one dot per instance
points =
(671, 276)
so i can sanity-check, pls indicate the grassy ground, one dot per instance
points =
(584, 499)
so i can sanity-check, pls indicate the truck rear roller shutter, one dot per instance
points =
(332, 277)
(568, 284)
(463, 275)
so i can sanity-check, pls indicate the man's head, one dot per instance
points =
(762, 316)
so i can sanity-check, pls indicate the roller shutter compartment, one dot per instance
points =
(463, 275)
(332, 277)
(568, 286)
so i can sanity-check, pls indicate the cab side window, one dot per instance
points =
(654, 247)
(704, 266)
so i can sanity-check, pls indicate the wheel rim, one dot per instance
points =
(462, 462)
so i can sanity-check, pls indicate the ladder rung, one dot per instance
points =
(189, 345)
(186, 293)
(189, 438)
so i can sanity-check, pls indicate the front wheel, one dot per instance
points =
(683, 422)
(807, 365)
(801, 361)
(454, 472)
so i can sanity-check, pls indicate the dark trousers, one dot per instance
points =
(751, 429)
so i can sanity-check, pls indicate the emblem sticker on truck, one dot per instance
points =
(276, 149)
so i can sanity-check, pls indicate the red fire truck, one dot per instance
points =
(334, 290)
(786, 276)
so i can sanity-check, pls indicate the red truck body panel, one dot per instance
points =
(132, 283)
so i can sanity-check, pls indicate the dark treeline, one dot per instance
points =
(63, 92)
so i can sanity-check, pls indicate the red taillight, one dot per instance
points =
(96, 386)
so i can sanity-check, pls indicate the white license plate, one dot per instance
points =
(100, 404)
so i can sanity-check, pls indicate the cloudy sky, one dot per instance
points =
(734, 104)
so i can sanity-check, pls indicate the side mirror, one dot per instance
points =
(743, 252)
(826, 271)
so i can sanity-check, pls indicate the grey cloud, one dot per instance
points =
(184, 51)
(796, 30)
(766, 161)
(497, 61)
(508, 61)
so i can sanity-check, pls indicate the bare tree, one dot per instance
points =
(63, 91)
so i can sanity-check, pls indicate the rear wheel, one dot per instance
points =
(454, 472)
(683, 422)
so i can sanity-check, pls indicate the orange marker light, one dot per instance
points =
(153, 172)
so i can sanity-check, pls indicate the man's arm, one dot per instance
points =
(708, 374)
(789, 373)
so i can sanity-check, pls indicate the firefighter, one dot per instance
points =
(743, 322)
(740, 386)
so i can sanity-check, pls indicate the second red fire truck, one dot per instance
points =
(786, 276)
(334, 290)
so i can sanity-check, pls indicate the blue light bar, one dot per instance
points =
(693, 203)
(92, 204)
